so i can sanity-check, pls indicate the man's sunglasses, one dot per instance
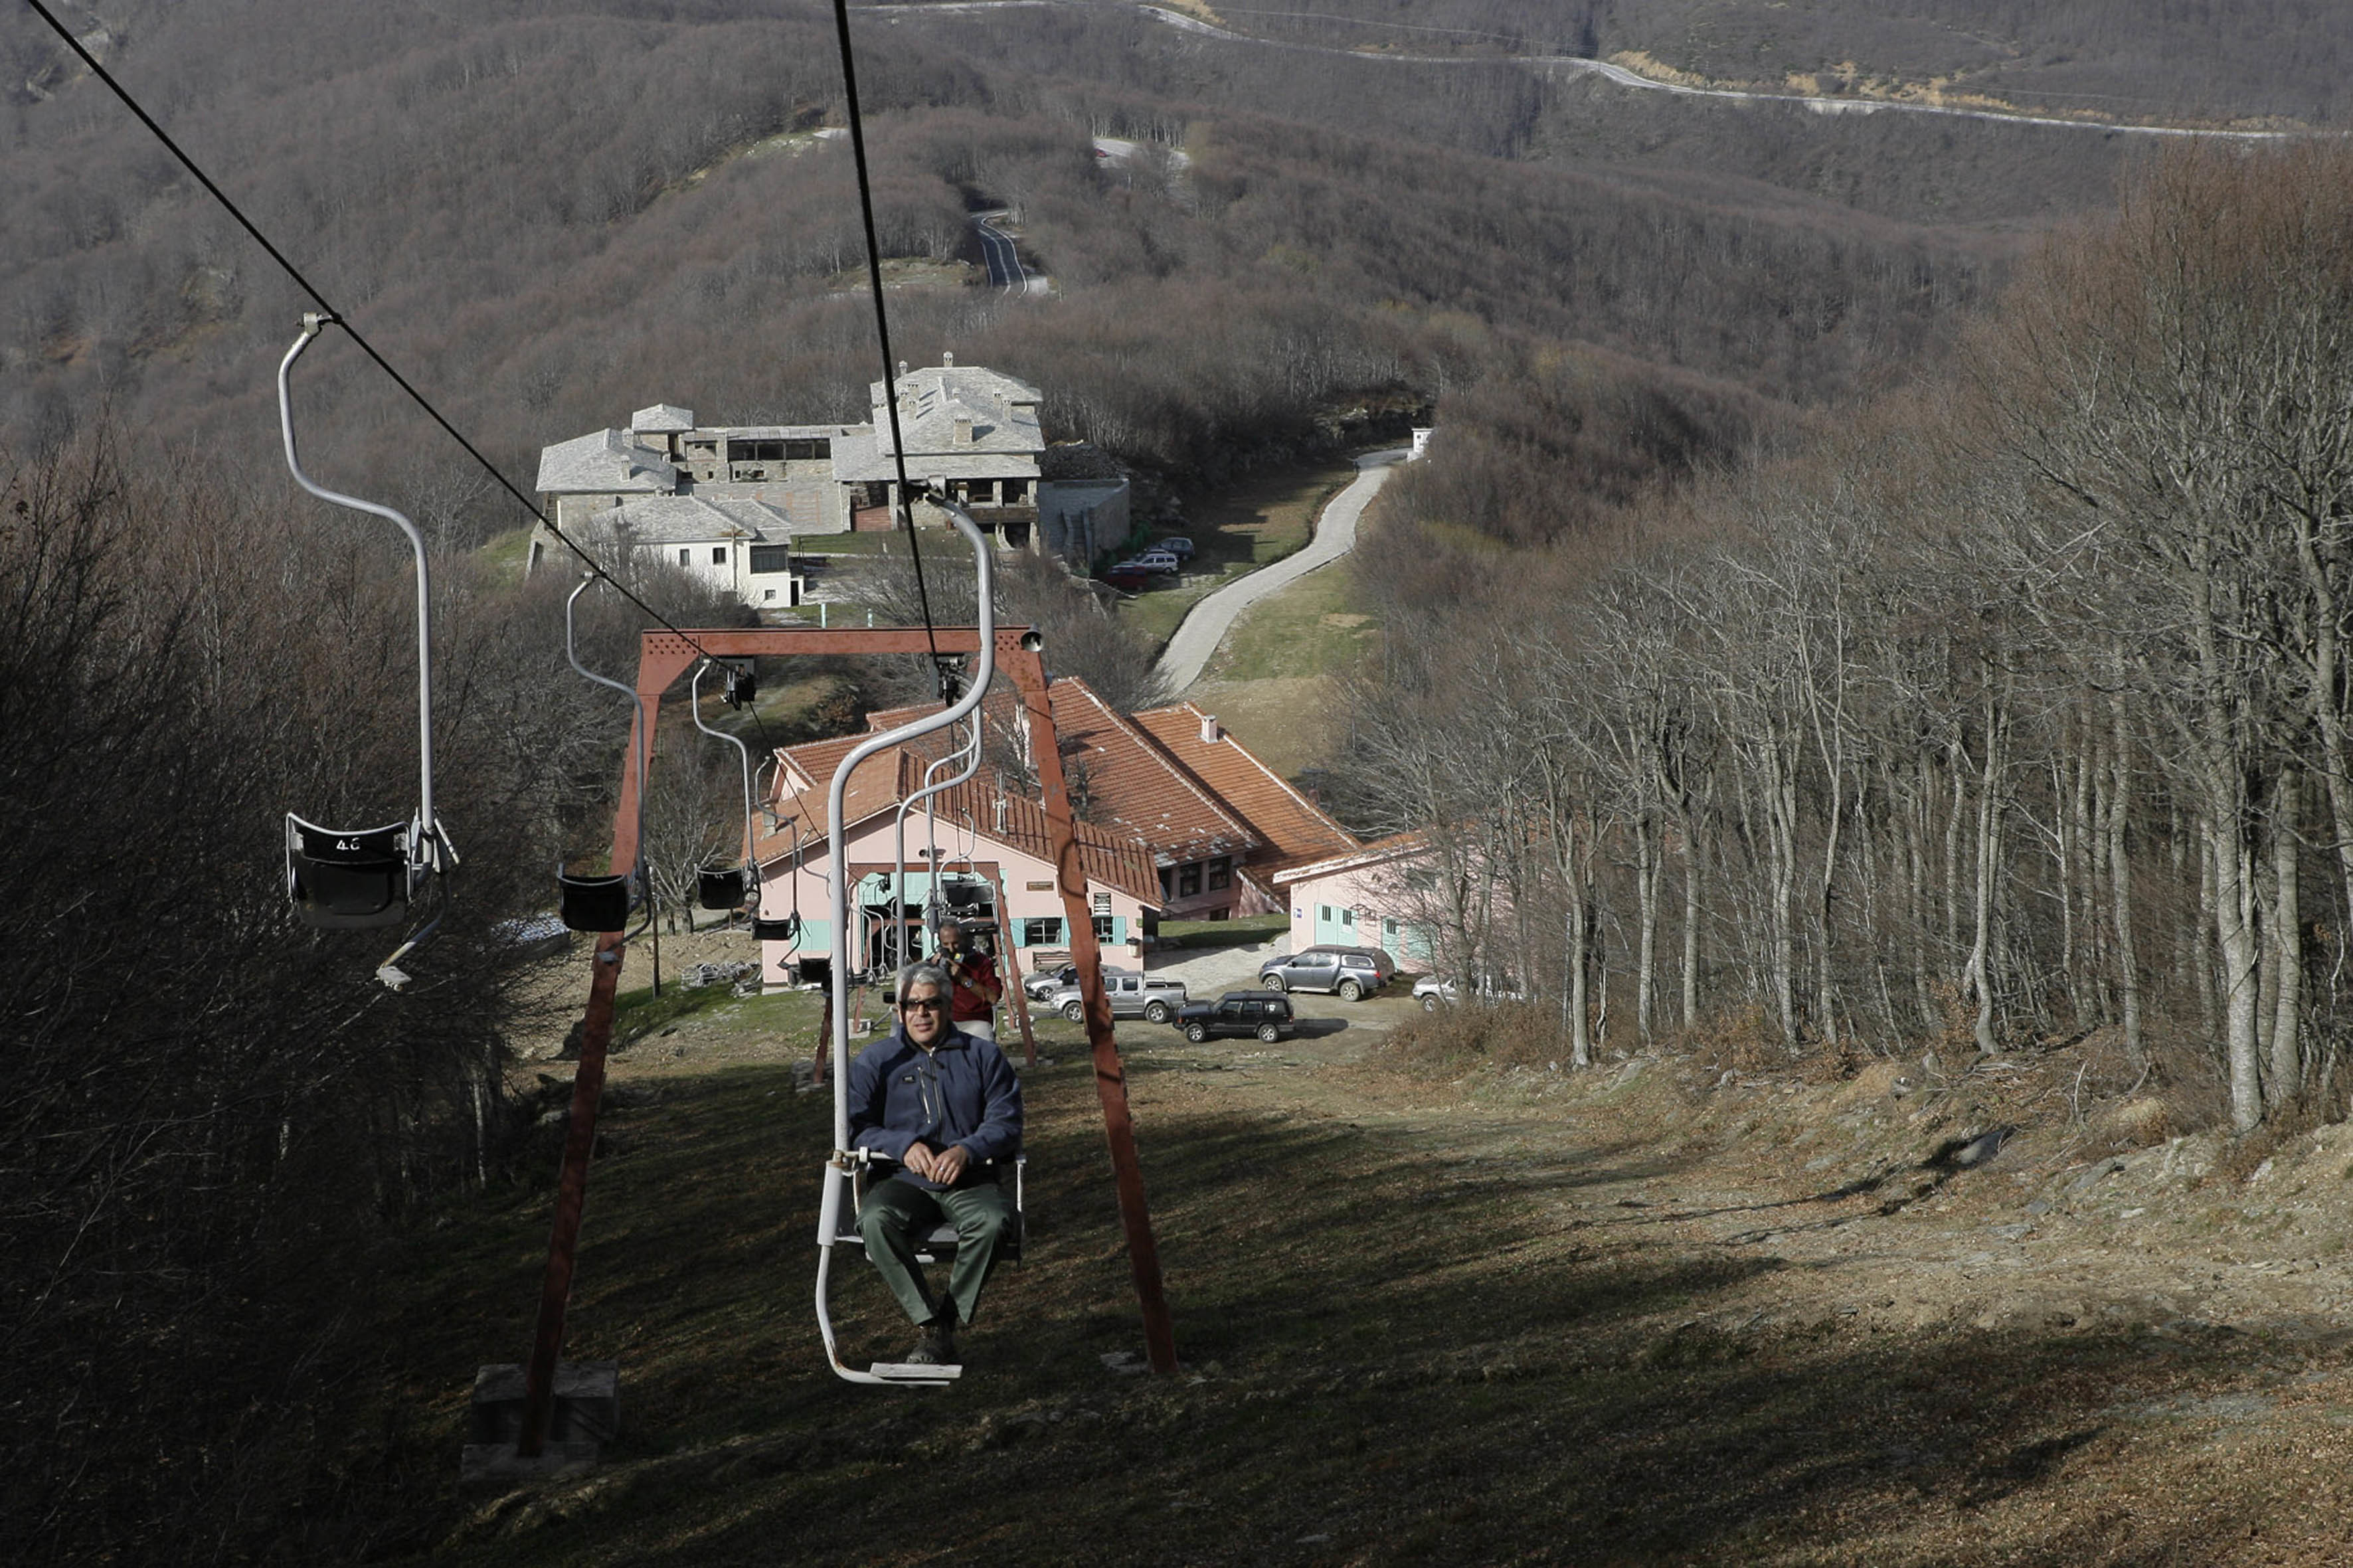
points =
(930, 1003)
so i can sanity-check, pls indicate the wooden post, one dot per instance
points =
(1013, 967)
(1111, 1074)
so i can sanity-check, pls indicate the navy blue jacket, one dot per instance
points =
(963, 1092)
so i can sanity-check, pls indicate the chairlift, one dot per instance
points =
(784, 928)
(600, 903)
(366, 879)
(347, 880)
(728, 886)
(743, 683)
(969, 754)
(844, 1165)
(939, 1244)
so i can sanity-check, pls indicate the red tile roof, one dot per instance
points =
(1133, 783)
(1396, 845)
(1107, 856)
(1291, 828)
(1151, 783)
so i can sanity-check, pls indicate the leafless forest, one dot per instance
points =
(2014, 711)
(1878, 579)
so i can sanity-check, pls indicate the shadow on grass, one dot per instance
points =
(1389, 1358)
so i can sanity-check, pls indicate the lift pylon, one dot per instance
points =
(663, 657)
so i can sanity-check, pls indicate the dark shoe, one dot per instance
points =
(936, 1347)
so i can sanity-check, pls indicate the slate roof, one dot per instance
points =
(663, 419)
(1003, 412)
(863, 457)
(690, 520)
(605, 461)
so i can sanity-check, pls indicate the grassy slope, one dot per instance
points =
(1416, 1328)
(1265, 517)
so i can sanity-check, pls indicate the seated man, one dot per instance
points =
(939, 1102)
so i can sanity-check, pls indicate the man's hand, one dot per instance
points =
(944, 1167)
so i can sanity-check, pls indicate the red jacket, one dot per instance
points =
(974, 987)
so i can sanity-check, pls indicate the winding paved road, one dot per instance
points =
(1205, 626)
(1005, 269)
(1615, 73)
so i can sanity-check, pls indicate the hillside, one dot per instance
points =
(1682, 1310)
(1875, 678)
(541, 223)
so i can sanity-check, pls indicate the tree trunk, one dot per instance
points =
(1978, 972)
(1691, 924)
(1646, 896)
(2120, 884)
(2235, 935)
(1580, 1034)
(2285, 948)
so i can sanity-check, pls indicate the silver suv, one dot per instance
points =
(1132, 995)
(1347, 972)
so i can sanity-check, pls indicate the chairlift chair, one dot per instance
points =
(939, 1244)
(843, 1165)
(593, 903)
(341, 880)
(729, 887)
(600, 903)
(366, 879)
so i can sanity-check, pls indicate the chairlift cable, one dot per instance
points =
(883, 318)
(337, 318)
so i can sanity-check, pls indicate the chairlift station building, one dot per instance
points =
(724, 503)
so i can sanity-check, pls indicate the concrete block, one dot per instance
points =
(495, 1462)
(587, 1407)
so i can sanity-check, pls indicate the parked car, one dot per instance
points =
(1347, 972)
(1126, 578)
(1132, 995)
(1158, 561)
(1179, 546)
(1266, 1013)
(1431, 991)
(1040, 986)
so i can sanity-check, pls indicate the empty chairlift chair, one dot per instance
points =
(345, 879)
(365, 878)
(600, 903)
(729, 887)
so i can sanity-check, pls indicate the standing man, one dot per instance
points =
(973, 974)
(939, 1101)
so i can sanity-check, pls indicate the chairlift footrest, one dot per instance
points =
(917, 1372)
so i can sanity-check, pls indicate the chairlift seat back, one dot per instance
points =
(965, 895)
(722, 889)
(784, 928)
(347, 880)
(596, 904)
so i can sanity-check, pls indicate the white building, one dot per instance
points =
(726, 501)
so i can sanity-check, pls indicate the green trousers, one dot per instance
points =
(898, 1213)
